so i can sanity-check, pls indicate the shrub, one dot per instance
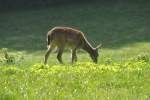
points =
(10, 58)
(142, 56)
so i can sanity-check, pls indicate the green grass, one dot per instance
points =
(81, 81)
(123, 29)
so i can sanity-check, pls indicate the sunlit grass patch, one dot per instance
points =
(82, 80)
(86, 66)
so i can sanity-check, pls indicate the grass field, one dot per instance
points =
(81, 81)
(122, 72)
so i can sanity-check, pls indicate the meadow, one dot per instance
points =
(122, 72)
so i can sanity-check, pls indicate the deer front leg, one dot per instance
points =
(47, 54)
(59, 55)
(74, 56)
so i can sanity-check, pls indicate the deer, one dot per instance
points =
(62, 37)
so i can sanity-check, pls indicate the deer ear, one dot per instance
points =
(99, 46)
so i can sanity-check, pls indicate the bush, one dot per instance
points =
(142, 56)
(10, 58)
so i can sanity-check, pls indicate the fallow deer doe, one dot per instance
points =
(61, 37)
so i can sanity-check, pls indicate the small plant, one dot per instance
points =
(6, 57)
(9, 58)
(143, 56)
(108, 61)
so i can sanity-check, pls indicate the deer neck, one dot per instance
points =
(88, 47)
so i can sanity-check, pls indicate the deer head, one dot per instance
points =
(94, 55)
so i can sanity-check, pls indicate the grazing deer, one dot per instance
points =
(61, 37)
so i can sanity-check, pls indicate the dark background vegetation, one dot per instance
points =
(114, 23)
(38, 3)
(9, 4)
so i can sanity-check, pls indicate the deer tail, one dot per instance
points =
(48, 40)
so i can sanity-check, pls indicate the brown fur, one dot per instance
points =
(62, 37)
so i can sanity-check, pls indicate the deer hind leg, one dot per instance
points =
(50, 48)
(74, 56)
(59, 54)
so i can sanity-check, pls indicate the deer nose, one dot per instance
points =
(95, 61)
